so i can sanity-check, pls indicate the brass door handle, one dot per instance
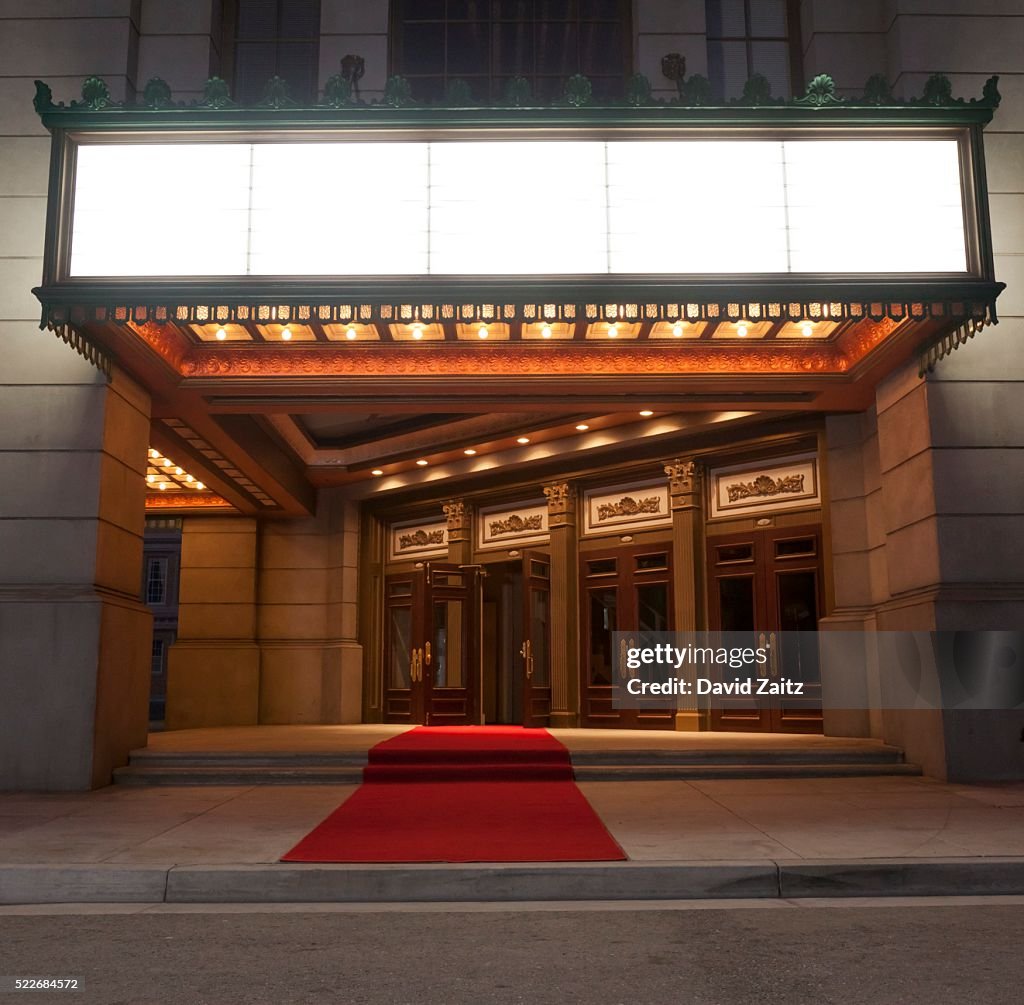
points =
(426, 657)
(623, 658)
(775, 656)
(632, 645)
(528, 653)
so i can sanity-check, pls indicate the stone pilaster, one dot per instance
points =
(689, 600)
(565, 643)
(460, 531)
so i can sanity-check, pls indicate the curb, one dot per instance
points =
(446, 883)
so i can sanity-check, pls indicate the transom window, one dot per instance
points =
(486, 43)
(752, 36)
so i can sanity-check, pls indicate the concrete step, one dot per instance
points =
(683, 772)
(135, 774)
(148, 768)
(873, 754)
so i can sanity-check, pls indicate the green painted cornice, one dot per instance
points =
(156, 110)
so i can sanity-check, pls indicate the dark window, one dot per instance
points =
(752, 36)
(158, 658)
(486, 43)
(156, 581)
(275, 38)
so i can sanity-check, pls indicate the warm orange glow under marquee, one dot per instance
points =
(520, 207)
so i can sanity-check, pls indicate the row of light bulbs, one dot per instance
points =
(171, 468)
(581, 427)
(806, 329)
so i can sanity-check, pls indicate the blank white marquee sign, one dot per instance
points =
(538, 207)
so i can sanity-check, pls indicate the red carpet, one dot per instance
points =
(463, 794)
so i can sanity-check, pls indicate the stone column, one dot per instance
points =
(565, 639)
(688, 578)
(75, 639)
(311, 662)
(460, 531)
(213, 669)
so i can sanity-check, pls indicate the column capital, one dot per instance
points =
(684, 479)
(457, 513)
(561, 497)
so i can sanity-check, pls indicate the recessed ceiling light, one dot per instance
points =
(647, 413)
(469, 452)
(221, 334)
(377, 472)
(613, 330)
(286, 333)
(807, 329)
(546, 331)
(677, 330)
(482, 331)
(741, 330)
(523, 439)
(200, 485)
(582, 427)
(417, 334)
(351, 334)
(422, 463)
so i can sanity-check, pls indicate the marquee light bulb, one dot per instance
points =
(546, 331)
(221, 334)
(151, 478)
(200, 485)
(350, 334)
(807, 329)
(179, 471)
(286, 333)
(482, 331)
(163, 486)
(677, 331)
(613, 330)
(741, 330)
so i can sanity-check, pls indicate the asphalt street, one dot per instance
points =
(724, 956)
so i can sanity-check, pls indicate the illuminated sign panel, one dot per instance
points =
(536, 207)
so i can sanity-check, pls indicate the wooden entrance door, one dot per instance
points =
(536, 647)
(431, 646)
(621, 590)
(763, 583)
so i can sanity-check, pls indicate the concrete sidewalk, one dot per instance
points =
(721, 838)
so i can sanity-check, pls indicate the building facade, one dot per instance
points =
(424, 471)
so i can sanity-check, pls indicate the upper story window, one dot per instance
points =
(274, 38)
(488, 42)
(156, 581)
(753, 36)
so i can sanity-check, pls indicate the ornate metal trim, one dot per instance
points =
(83, 345)
(931, 352)
(340, 104)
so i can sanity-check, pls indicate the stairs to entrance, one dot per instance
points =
(165, 767)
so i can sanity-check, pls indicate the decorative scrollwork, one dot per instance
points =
(275, 95)
(516, 524)
(764, 486)
(628, 506)
(578, 91)
(216, 94)
(820, 91)
(157, 94)
(420, 539)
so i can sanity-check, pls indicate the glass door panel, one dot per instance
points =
(603, 621)
(399, 653)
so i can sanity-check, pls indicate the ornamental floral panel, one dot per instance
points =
(769, 486)
(418, 540)
(511, 526)
(627, 507)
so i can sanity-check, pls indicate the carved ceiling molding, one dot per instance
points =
(186, 500)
